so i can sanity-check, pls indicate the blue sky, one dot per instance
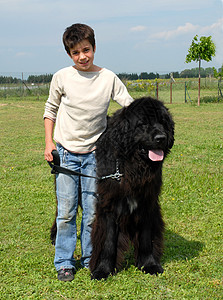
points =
(131, 36)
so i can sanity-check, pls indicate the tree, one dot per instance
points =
(209, 72)
(144, 75)
(200, 50)
(218, 74)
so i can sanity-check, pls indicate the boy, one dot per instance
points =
(78, 101)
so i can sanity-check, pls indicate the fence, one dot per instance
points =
(178, 91)
(23, 90)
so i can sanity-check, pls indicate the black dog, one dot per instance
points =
(135, 143)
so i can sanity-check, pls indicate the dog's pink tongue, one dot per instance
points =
(156, 155)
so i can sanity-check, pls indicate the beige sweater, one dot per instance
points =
(78, 103)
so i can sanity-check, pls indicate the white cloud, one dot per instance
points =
(189, 28)
(218, 26)
(171, 34)
(138, 28)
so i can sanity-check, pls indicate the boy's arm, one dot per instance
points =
(50, 146)
(120, 93)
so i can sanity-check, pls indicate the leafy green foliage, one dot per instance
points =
(201, 50)
(218, 74)
(191, 202)
(40, 78)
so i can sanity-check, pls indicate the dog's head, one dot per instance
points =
(146, 126)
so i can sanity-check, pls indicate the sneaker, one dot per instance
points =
(66, 274)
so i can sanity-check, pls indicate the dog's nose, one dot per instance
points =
(160, 138)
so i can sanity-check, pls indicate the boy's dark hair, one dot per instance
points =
(77, 33)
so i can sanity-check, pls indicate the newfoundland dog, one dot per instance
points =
(130, 155)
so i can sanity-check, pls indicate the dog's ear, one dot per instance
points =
(120, 133)
(136, 113)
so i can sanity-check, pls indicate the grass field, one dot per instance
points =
(191, 202)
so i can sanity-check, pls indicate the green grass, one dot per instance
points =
(191, 202)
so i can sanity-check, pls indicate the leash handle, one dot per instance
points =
(56, 157)
(55, 162)
(56, 168)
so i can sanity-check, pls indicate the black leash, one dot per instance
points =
(56, 169)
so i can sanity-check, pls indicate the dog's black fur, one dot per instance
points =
(129, 210)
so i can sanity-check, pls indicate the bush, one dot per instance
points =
(211, 99)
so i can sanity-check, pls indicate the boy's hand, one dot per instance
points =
(48, 151)
(50, 146)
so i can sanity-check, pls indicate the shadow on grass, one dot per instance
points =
(176, 248)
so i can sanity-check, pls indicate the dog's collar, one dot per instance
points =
(117, 175)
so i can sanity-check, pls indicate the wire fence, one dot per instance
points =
(169, 91)
(180, 91)
(23, 90)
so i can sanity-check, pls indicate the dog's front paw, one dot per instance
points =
(153, 269)
(99, 274)
(150, 265)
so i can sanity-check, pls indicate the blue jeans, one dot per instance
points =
(67, 198)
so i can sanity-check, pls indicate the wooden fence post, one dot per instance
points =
(157, 90)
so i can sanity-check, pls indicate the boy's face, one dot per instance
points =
(82, 55)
